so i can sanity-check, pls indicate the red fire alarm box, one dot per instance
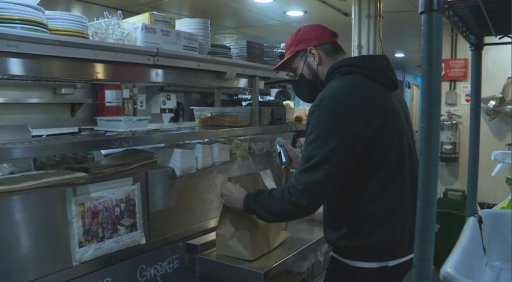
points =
(454, 69)
(110, 99)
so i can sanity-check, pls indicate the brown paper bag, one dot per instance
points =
(242, 235)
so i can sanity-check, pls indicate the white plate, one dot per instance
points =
(193, 23)
(69, 17)
(193, 20)
(24, 27)
(23, 15)
(33, 2)
(192, 30)
(66, 15)
(5, 3)
(69, 23)
(192, 27)
(20, 9)
(68, 29)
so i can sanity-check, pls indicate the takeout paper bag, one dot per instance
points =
(242, 235)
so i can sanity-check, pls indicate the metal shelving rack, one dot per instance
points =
(49, 58)
(31, 57)
(474, 19)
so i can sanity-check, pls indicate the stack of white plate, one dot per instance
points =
(201, 27)
(23, 16)
(220, 50)
(244, 50)
(270, 54)
(67, 24)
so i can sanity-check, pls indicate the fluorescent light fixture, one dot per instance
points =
(399, 54)
(264, 1)
(295, 13)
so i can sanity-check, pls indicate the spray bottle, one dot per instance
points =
(504, 159)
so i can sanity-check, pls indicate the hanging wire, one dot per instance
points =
(379, 24)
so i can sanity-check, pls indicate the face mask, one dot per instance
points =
(307, 89)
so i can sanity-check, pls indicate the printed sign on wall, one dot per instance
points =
(465, 94)
(454, 69)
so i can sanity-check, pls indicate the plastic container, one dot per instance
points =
(122, 123)
(467, 261)
(207, 117)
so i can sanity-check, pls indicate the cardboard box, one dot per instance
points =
(188, 41)
(152, 18)
(165, 38)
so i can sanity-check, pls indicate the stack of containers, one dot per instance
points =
(203, 154)
(67, 24)
(270, 54)
(183, 161)
(249, 51)
(220, 50)
(201, 27)
(220, 153)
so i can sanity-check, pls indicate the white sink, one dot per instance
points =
(467, 261)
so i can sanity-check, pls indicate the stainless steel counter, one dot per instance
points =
(303, 256)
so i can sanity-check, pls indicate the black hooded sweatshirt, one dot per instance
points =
(359, 161)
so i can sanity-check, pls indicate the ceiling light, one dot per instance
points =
(295, 13)
(399, 54)
(264, 1)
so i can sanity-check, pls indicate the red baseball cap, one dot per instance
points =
(304, 37)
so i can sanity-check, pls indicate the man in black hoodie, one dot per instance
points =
(359, 160)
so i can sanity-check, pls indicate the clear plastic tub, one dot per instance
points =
(122, 123)
(207, 117)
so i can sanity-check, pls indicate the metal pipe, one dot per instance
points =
(432, 33)
(486, 17)
(346, 14)
(217, 97)
(365, 24)
(255, 98)
(474, 127)
(497, 43)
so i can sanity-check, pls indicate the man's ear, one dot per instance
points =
(314, 54)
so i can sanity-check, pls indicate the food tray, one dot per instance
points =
(122, 123)
(207, 117)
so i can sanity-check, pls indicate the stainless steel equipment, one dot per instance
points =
(35, 240)
(302, 257)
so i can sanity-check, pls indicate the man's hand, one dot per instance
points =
(233, 195)
(294, 156)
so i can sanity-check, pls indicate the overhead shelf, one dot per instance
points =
(33, 56)
(95, 141)
(475, 19)
(44, 101)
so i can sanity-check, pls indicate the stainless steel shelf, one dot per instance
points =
(52, 145)
(39, 56)
(44, 101)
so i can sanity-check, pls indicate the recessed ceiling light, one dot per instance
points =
(264, 1)
(295, 13)
(399, 54)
